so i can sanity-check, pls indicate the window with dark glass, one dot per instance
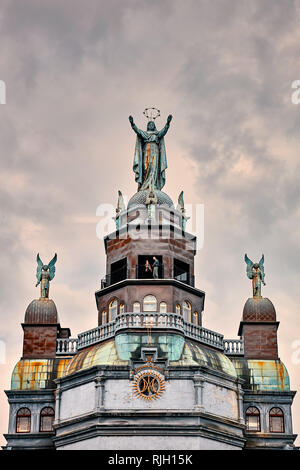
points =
(23, 420)
(252, 419)
(276, 420)
(118, 271)
(46, 419)
(181, 271)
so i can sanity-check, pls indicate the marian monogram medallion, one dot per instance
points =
(149, 381)
(149, 378)
(149, 384)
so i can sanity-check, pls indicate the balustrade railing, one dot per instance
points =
(234, 347)
(96, 334)
(66, 346)
(150, 320)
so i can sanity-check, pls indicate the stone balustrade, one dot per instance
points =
(234, 347)
(149, 321)
(66, 346)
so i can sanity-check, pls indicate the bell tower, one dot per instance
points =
(150, 255)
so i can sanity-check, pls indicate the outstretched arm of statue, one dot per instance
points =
(165, 129)
(134, 127)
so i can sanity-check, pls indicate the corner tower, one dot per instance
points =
(31, 396)
(266, 383)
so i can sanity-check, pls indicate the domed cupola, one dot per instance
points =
(41, 311)
(140, 199)
(259, 309)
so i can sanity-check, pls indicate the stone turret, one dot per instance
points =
(42, 329)
(259, 329)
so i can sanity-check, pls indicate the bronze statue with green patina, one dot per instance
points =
(256, 272)
(44, 274)
(150, 161)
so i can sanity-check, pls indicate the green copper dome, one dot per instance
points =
(127, 346)
(267, 375)
(37, 374)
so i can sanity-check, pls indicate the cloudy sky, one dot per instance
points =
(74, 71)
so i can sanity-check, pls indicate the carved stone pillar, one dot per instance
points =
(57, 395)
(198, 386)
(99, 392)
(240, 396)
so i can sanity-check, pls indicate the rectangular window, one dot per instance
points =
(118, 271)
(252, 423)
(181, 271)
(276, 424)
(23, 424)
(47, 423)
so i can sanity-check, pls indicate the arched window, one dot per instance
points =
(46, 419)
(178, 309)
(196, 318)
(113, 309)
(252, 419)
(103, 316)
(122, 308)
(163, 307)
(23, 420)
(187, 310)
(136, 307)
(150, 303)
(276, 420)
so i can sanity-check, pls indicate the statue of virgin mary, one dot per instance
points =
(150, 161)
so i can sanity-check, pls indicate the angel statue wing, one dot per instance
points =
(52, 267)
(180, 204)
(262, 269)
(249, 267)
(39, 269)
(121, 203)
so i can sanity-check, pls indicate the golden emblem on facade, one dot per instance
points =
(148, 384)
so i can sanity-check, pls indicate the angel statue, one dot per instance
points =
(150, 161)
(44, 274)
(180, 207)
(256, 272)
(120, 207)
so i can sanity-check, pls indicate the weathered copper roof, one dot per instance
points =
(35, 374)
(41, 311)
(174, 347)
(259, 309)
(195, 354)
(100, 354)
(267, 375)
